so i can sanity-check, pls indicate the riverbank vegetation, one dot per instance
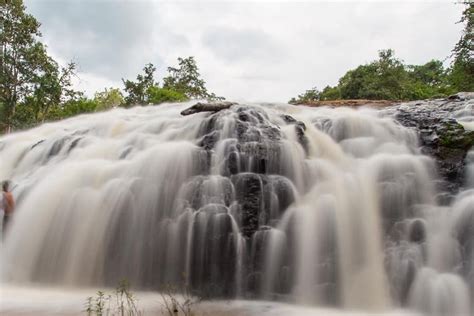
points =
(389, 78)
(35, 88)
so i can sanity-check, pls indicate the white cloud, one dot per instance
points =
(260, 50)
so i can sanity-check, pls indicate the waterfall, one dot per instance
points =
(315, 206)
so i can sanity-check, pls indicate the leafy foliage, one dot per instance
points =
(181, 84)
(157, 95)
(186, 80)
(137, 90)
(388, 78)
(34, 88)
(310, 95)
(23, 58)
(108, 99)
(462, 68)
(29, 78)
(72, 108)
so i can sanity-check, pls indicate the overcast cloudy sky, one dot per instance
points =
(246, 50)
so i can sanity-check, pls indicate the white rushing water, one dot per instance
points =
(334, 208)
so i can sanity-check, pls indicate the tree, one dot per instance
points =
(22, 58)
(462, 67)
(52, 88)
(310, 95)
(72, 107)
(355, 81)
(157, 95)
(386, 78)
(29, 78)
(187, 80)
(381, 79)
(137, 91)
(432, 73)
(330, 93)
(109, 98)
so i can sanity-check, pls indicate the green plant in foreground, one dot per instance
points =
(174, 306)
(122, 302)
(179, 300)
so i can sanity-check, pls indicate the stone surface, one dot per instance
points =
(439, 124)
(207, 107)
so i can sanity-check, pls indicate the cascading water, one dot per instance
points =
(332, 207)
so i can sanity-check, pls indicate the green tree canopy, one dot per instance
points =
(109, 98)
(28, 76)
(157, 95)
(137, 90)
(381, 79)
(388, 78)
(187, 80)
(310, 95)
(181, 84)
(23, 58)
(462, 68)
(52, 88)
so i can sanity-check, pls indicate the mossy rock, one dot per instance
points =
(453, 135)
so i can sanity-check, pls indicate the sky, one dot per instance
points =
(245, 50)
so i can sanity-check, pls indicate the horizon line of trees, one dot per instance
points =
(34, 88)
(389, 78)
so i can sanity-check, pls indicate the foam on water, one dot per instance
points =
(317, 207)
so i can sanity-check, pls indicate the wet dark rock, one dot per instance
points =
(37, 143)
(249, 191)
(253, 125)
(74, 143)
(441, 135)
(417, 231)
(300, 129)
(232, 163)
(207, 107)
(56, 147)
(209, 124)
(288, 119)
(209, 140)
(126, 152)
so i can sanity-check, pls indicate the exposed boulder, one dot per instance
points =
(441, 133)
(208, 107)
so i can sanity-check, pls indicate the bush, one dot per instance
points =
(157, 95)
(71, 108)
(121, 302)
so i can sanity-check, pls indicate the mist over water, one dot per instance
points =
(313, 206)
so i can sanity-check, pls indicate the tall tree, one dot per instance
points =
(53, 88)
(432, 73)
(187, 80)
(380, 79)
(137, 90)
(310, 95)
(22, 58)
(109, 98)
(462, 68)
(157, 95)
